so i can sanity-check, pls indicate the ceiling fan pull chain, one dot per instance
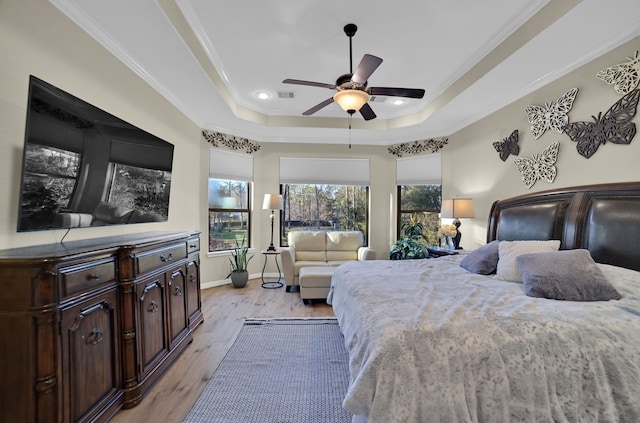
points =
(350, 115)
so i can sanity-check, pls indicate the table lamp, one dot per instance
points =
(457, 208)
(272, 202)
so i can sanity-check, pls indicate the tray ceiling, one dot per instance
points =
(210, 58)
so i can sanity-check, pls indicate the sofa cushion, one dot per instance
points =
(308, 240)
(342, 255)
(344, 241)
(343, 246)
(309, 245)
(337, 263)
(311, 255)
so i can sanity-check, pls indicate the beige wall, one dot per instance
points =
(35, 38)
(471, 166)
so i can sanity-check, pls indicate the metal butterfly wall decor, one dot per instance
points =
(552, 116)
(508, 146)
(540, 166)
(615, 126)
(624, 76)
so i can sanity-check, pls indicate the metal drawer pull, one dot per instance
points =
(153, 307)
(95, 337)
(94, 277)
(192, 277)
(192, 245)
(178, 291)
(167, 258)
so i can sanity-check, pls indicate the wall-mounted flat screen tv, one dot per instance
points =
(84, 167)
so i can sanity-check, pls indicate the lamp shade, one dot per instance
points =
(457, 208)
(351, 99)
(272, 202)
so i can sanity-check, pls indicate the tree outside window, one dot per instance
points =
(423, 202)
(323, 207)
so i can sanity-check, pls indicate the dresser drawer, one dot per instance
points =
(193, 244)
(86, 276)
(149, 261)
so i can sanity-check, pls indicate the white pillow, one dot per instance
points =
(508, 251)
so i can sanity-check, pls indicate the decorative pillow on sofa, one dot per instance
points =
(565, 275)
(343, 245)
(309, 245)
(483, 260)
(508, 251)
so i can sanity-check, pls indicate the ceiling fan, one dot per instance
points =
(352, 92)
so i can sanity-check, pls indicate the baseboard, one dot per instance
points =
(258, 276)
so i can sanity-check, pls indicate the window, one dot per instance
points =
(320, 193)
(420, 193)
(421, 202)
(230, 178)
(228, 213)
(323, 207)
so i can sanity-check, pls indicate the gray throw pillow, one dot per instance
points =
(483, 260)
(565, 275)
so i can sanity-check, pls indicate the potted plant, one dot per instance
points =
(239, 261)
(411, 245)
(407, 248)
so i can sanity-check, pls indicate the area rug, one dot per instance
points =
(279, 371)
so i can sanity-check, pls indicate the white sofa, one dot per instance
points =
(321, 249)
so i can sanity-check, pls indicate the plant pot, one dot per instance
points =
(239, 279)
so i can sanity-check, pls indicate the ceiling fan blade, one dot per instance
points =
(367, 112)
(310, 83)
(318, 106)
(367, 65)
(397, 92)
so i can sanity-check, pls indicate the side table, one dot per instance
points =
(271, 284)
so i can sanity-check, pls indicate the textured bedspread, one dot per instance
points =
(431, 342)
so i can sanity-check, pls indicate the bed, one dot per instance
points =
(430, 341)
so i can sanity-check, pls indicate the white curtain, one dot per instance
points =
(315, 170)
(419, 170)
(228, 165)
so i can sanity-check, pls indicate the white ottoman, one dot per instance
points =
(315, 282)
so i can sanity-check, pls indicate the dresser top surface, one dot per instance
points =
(63, 249)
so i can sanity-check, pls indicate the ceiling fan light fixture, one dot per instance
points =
(351, 99)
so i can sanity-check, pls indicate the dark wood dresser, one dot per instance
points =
(86, 327)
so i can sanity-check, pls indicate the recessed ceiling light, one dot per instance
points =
(398, 101)
(263, 95)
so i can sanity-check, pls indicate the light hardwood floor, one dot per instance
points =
(225, 309)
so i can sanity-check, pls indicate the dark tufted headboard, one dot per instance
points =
(604, 219)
